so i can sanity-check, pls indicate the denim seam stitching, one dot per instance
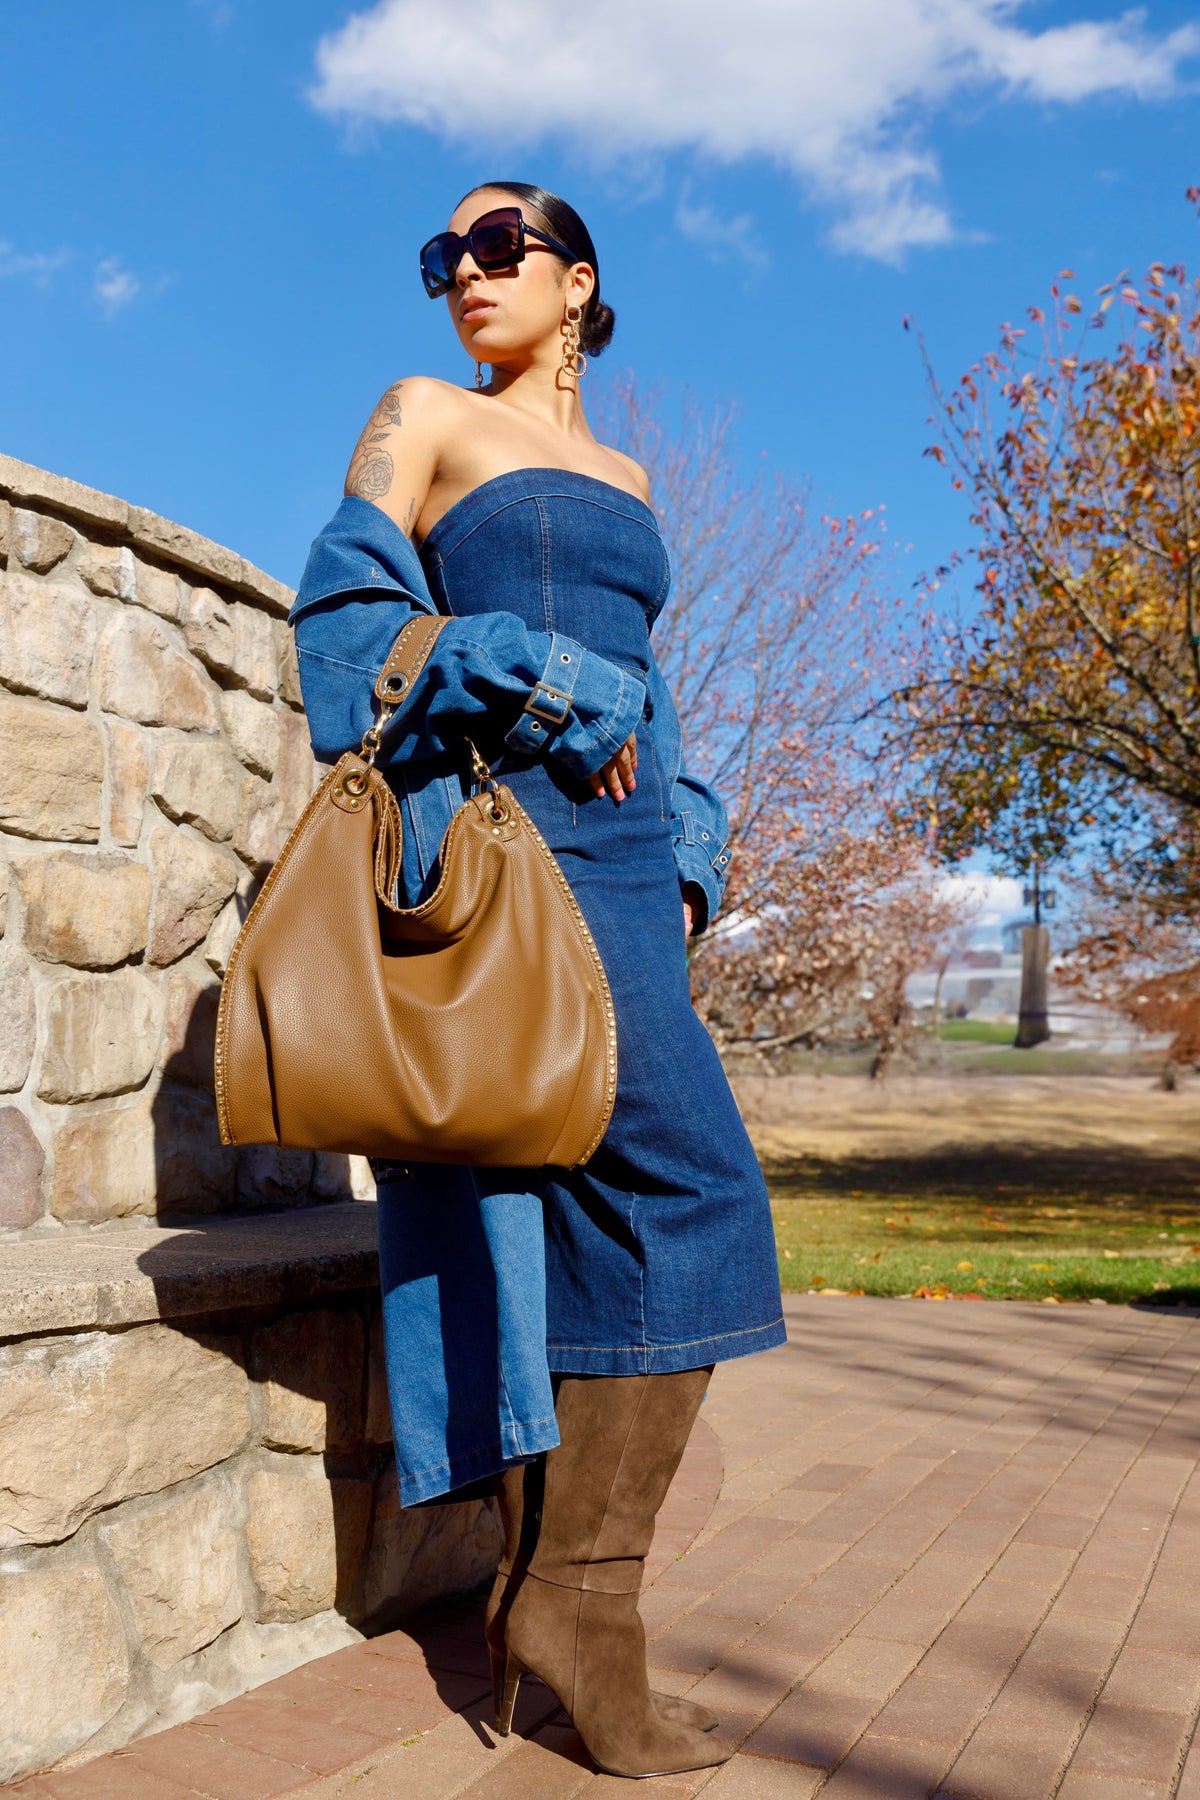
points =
(682, 1344)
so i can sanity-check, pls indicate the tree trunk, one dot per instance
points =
(1033, 1026)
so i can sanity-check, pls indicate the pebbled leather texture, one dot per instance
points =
(474, 1028)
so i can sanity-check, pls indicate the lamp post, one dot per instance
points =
(1033, 1025)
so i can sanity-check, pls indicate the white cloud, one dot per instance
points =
(36, 265)
(722, 240)
(833, 90)
(114, 287)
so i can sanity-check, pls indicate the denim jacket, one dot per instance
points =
(362, 580)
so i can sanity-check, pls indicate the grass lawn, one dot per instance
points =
(975, 1031)
(994, 1227)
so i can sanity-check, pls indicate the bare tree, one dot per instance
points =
(775, 640)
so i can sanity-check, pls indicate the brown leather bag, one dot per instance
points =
(475, 1028)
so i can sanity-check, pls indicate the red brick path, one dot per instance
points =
(956, 1554)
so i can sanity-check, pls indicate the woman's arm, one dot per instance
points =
(396, 458)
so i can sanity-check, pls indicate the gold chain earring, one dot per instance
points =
(574, 362)
(478, 375)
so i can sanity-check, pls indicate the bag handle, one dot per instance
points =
(405, 660)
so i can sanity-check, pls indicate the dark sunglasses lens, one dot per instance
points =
(439, 259)
(496, 240)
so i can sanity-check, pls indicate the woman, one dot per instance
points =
(555, 1329)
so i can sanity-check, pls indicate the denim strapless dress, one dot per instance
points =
(660, 1253)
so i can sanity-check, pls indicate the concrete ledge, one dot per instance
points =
(130, 1276)
(23, 482)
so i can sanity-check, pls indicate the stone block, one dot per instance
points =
(22, 1159)
(259, 835)
(128, 779)
(108, 569)
(100, 1035)
(269, 1177)
(159, 589)
(379, 1412)
(196, 782)
(179, 545)
(220, 941)
(296, 773)
(362, 1178)
(233, 639)
(64, 1664)
(145, 677)
(3, 898)
(310, 1365)
(253, 730)
(40, 541)
(104, 1165)
(192, 882)
(196, 1172)
(89, 910)
(5, 529)
(91, 1420)
(331, 1175)
(289, 666)
(179, 1563)
(51, 772)
(420, 1555)
(306, 1536)
(18, 1019)
(47, 639)
(189, 1042)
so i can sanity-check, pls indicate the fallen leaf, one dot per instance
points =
(963, 1266)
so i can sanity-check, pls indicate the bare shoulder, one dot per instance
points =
(641, 480)
(399, 446)
(411, 400)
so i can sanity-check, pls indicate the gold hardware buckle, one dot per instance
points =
(540, 712)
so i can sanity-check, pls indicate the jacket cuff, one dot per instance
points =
(703, 858)
(607, 707)
(548, 707)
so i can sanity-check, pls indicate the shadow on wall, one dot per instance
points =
(198, 1175)
(316, 1502)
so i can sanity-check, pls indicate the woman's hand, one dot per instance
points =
(617, 777)
(693, 906)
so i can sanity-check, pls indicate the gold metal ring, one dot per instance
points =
(355, 782)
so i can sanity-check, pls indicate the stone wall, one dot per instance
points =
(190, 1507)
(153, 755)
(197, 1489)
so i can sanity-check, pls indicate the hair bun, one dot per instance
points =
(597, 328)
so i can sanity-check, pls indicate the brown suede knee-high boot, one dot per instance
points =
(519, 1492)
(574, 1620)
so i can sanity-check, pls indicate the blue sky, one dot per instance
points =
(209, 227)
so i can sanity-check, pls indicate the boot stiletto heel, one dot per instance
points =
(514, 1668)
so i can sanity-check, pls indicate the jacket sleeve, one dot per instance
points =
(699, 822)
(545, 689)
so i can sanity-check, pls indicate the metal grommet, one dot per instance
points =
(563, 657)
(704, 835)
(393, 686)
(534, 726)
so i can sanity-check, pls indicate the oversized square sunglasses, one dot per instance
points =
(496, 241)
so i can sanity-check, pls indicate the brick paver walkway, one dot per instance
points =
(955, 1553)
